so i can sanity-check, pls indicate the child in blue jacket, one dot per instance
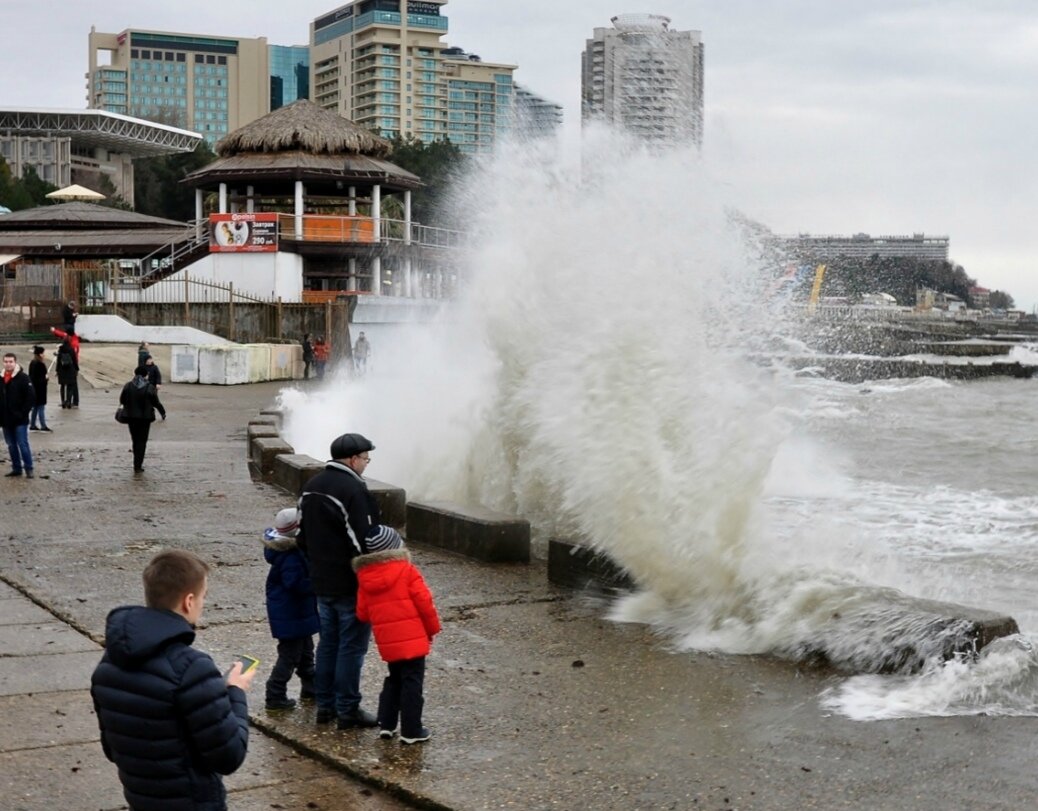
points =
(291, 610)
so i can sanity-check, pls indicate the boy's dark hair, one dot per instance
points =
(172, 574)
(10, 355)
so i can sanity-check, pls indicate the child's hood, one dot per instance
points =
(276, 542)
(134, 634)
(380, 571)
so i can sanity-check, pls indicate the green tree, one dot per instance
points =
(437, 164)
(1000, 300)
(156, 183)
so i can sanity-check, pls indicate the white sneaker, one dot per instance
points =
(421, 737)
(386, 734)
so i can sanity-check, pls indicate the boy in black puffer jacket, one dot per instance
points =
(169, 720)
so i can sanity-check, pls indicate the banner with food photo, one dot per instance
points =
(243, 233)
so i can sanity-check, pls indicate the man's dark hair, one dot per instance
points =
(171, 575)
(10, 355)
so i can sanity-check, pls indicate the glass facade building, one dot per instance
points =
(289, 74)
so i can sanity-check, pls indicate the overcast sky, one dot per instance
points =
(886, 116)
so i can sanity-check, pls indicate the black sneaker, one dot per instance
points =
(12, 474)
(33, 428)
(422, 736)
(29, 474)
(47, 430)
(357, 718)
(325, 716)
(281, 703)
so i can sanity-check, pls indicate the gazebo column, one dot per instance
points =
(250, 204)
(408, 278)
(223, 198)
(353, 201)
(299, 209)
(407, 217)
(376, 210)
(351, 278)
(376, 275)
(199, 209)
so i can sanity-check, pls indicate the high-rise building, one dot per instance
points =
(211, 85)
(382, 64)
(289, 74)
(645, 78)
(535, 116)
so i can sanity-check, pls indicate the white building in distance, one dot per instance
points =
(646, 79)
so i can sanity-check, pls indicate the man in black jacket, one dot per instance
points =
(169, 720)
(16, 401)
(336, 513)
(139, 400)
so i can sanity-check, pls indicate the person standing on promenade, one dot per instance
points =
(361, 353)
(308, 355)
(67, 367)
(322, 350)
(38, 377)
(155, 378)
(142, 353)
(169, 720)
(69, 316)
(72, 377)
(336, 513)
(16, 401)
(139, 401)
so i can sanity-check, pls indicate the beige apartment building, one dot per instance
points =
(211, 85)
(383, 65)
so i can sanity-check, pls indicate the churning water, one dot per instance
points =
(601, 376)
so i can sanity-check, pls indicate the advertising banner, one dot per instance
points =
(243, 233)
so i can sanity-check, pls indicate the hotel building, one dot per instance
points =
(382, 64)
(644, 78)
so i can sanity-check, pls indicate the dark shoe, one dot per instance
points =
(12, 474)
(29, 474)
(307, 695)
(325, 716)
(386, 734)
(422, 736)
(45, 428)
(357, 718)
(281, 704)
(33, 428)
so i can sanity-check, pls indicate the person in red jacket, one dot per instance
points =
(393, 597)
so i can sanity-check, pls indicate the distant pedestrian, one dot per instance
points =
(139, 400)
(361, 353)
(69, 314)
(393, 597)
(67, 366)
(38, 376)
(308, 355)
(73, 340)
(16, 401)
(291, 611)
(155, 378)
(169, 720)
(321, 352)
(142, 353)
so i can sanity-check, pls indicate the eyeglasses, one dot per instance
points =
(366, 457)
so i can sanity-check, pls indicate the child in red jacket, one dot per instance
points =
(393, 597)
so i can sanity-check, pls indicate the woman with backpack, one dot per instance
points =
(139, 400)
(68, 371)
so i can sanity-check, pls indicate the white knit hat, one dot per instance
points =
(287, 522)
(383, 538)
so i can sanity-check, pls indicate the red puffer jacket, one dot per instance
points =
(393, 597)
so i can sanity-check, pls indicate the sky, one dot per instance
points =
(883, 117)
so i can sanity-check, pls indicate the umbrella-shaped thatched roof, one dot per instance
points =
(303, 127)
(75, 192)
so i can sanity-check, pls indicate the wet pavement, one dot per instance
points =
(535, 701)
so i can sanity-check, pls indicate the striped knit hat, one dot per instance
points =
(286, 523)
(383, 538)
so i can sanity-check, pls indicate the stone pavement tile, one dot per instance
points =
(64, 777)
(47, 719)
(44, 674)
(336, 793)
(43, 638)
(19, 610)
(8, 592)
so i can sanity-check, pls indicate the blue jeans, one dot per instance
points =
(340, 655)
(17, 440)
(38, 416)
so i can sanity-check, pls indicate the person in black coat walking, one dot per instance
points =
(38, 376)
(139, 401)
(308, 355)
(16, 401)
(67, 366)
(169, 720)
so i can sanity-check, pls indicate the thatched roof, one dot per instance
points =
(303, 127)
(81, 216)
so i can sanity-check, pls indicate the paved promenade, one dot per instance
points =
(535, 702)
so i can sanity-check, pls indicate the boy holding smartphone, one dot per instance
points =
(169, 720)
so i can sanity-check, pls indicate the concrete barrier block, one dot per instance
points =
(259, 429)
(284, 359)
(293, 470)
(264, 450)
(477, 532)
(392, 503)
(223, 365)
(580, 567)
(272, 415)
(258, 362)
(183, 364)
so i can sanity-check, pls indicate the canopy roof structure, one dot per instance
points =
(100, 128)
(75, 192)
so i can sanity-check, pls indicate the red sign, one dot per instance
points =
(243, 233)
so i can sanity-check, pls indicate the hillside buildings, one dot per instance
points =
(646, 79)
(535, 117)
(863, 246)
(212, 85)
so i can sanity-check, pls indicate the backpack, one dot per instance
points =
(65, 360)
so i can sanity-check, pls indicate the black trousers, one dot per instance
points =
(401, 697)
(295, 655)
(70, 394)
(139, 430)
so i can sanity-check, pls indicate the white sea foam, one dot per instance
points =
(596, 378)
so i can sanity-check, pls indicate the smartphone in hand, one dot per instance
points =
(247, 663)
